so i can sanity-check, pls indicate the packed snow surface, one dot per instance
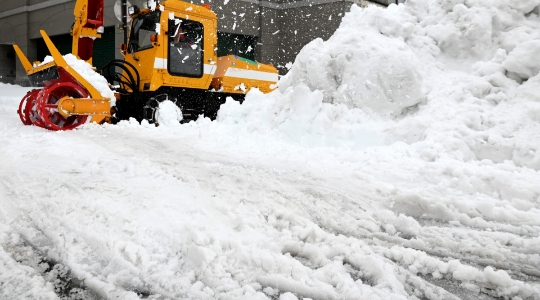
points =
(400, 159)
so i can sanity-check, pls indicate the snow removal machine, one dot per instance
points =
(170, 54)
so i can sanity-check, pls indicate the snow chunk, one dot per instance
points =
(168, 114)
(360, 69)
(524, 60)
(288, 296)
(525, 6)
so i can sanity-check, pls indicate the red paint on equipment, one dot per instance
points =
(40, 107)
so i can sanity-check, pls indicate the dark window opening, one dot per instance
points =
(388, 2)
(237, 44)
(7, 64)
(142, 29)
(62, 42)
(103, 50)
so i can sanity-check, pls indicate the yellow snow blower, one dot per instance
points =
(170, 54)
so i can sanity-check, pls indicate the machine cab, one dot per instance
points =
(173, 45)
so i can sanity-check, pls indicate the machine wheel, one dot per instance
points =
(162, 107)
(47, 106)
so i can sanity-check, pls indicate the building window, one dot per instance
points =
(237, 44)
(103, 50)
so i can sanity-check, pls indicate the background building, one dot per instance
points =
(271, 31)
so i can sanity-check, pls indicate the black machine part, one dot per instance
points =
(124, 20)
(123, 84)
(192, 102)
(152, 106)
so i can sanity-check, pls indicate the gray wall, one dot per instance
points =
(13, 29)
(300, 25)
(7, 64)
(21, 21)
(283, 27)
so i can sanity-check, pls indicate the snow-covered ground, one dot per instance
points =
(400, 159)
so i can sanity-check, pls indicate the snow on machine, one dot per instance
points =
(170, 54)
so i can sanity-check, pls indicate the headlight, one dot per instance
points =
(134, 9)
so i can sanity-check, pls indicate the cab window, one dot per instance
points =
(141, 30)
(185, 48)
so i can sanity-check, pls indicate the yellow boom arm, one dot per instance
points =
(87, 27)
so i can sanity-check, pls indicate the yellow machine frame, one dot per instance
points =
(226, 74)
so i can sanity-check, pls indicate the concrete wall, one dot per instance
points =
(13, 29)
(301, 25)
(7, 64)
(283, 27)
(26, 18)
(7, 54)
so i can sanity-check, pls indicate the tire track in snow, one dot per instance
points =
(418, 243)
(278, 188)
(317, 216)
(45, 240)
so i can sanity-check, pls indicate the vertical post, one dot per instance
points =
(124, 20)
(259, 45)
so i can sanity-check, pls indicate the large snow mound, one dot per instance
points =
(461, 75)
(359, 68)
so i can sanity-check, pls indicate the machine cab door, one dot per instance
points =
(142, 28)
(185, 48)
(142, 47)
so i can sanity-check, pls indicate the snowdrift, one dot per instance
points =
(439, 100)
(415, 73)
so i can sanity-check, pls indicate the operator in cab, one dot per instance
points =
(181, 38)
(185, 54)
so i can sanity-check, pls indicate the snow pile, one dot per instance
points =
(478, 28)
(523, 61)
(87, 72)
(441, 102)
(300, 115)
(414, 73)
(361, 68)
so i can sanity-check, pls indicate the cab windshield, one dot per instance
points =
(141, 29)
